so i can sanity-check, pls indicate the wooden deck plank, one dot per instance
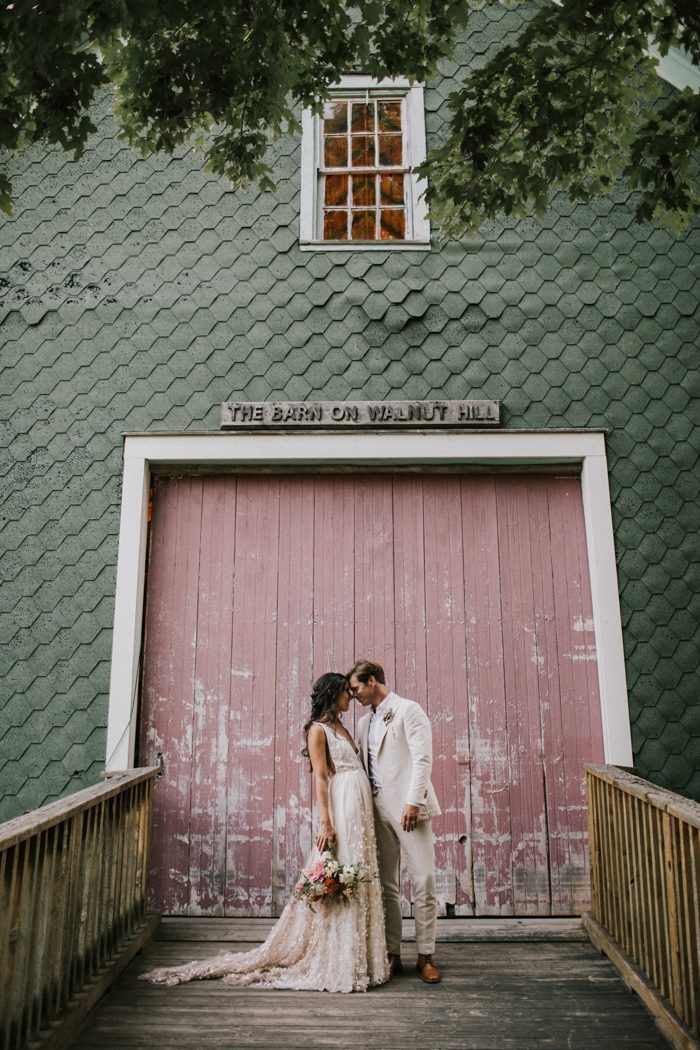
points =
(496, 995)
(462, 930)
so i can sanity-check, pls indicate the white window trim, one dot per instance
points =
(310, 145)
(142, 452)
(677, 68)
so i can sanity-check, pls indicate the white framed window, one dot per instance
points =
(359, 190)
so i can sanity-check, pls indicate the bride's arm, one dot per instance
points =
(318, 755)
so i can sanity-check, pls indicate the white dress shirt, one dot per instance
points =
(374, 737)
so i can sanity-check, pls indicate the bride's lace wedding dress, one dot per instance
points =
(335, 948)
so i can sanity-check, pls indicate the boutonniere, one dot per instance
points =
(388, 716)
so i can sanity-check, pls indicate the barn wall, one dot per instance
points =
(139, 294)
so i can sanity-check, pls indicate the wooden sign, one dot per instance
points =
(359, 414)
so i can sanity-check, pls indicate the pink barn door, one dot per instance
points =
(472, 591)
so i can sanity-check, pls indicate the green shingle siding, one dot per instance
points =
(139, 294)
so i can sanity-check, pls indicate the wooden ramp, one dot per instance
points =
(508, 985)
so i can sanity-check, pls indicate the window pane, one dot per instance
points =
(393, 224)
(362, 151)
(335, 226)
(362, 116)
(392, 189)
(335, 118)
(363, 226)
(389, 116)
(335, 152)
(390, 150)
(364, 190)
(336, 191)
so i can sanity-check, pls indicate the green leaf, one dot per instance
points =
(568, 103)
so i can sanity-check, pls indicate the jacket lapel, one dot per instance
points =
(385, 725)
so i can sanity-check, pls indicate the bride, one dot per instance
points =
(337, 946)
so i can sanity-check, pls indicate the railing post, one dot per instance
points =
(677, 995)
(594, 847)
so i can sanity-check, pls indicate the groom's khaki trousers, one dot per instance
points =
(417, 850)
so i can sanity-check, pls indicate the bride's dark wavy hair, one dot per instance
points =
(323, 697)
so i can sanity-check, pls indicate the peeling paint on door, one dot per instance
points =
(473, 592)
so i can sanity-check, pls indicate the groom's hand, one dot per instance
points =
(409, 817)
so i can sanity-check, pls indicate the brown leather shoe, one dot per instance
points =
(428, 970)
(395, 966)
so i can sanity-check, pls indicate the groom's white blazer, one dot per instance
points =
(404, 755)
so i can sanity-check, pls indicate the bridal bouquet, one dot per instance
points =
(327, 879)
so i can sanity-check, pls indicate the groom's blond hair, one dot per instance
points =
(364, 669)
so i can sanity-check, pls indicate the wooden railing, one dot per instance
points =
(72, 905)
(645, 869)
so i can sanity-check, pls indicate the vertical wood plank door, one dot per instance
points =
(472, 591)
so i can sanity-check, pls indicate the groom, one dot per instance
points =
(396, 746)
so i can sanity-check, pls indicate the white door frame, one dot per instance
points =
(364, 449)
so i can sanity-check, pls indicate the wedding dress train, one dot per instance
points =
(337, 947)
